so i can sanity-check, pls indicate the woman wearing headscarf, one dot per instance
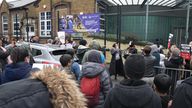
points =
(116, 64)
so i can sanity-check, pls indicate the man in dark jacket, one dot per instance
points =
(149, 65)
(81, 50)
(149, 62)
(175, 61)
(19, 68)
(133, 92)
(183, 95)
(3, 56)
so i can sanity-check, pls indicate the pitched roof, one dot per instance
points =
(20, 3)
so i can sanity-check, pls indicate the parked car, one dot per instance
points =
(46, 54)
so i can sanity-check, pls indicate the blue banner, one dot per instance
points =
(81, 23)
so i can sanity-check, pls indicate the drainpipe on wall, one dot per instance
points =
(52, 31)
(17, 33)
(96, 6)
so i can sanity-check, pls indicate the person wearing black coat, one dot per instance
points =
(175, 61)
(49, 88)
(19, 67)
(3, 56)
(116, 64)
(133, 92)
(183, 95)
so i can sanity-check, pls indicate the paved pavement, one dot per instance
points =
(119, 78)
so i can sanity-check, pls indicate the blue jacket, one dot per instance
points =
(15, 72)
(76, 69)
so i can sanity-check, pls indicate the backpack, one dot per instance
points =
(90, 87)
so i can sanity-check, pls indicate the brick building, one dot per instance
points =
(42, 16)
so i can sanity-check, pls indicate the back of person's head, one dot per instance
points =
(114, 45)
(173, 47)
(56, 38)
(68, 39)
(134, 66)
(65, 60)
(50, 41)
(19, 54)
(147, 50)
(154, 48)
(162, 83)
(13, 40)
(132, 44)
(70, 52)
(157, 42)
(94, 56)
(83, 42)
(175, 53)
(95, 45)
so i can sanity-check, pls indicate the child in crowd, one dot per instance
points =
(75, 67)
(66, 61)
(162, 83)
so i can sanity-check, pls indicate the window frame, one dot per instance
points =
(45, 22)
(5, 22)
(14, 23)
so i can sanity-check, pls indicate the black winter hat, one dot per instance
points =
(135, 66)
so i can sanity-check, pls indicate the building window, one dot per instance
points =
(5, 25)
(45, 24)
(16, 24)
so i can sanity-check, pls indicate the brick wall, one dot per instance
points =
(71, 6)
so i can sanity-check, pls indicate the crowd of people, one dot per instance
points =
(84, 79)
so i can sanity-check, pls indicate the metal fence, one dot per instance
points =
(177, 75)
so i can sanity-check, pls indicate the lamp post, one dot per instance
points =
(27, 28)
(147, 20)
(58, 14)
(187, 21)
(17, 27)
(27, 23)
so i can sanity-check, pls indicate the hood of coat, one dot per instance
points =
(82, 50)
(188, 81)
(91, 69)
(133, 93)
(173, 63)
(17, 71)
(82, 47)
(64, 91)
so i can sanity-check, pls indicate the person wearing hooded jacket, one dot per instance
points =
(183, 95)
(94, 45)
(3, 56)
(93, 67)
(133, 92)
(49, 88)
(175, 61)
(19, 67)
(81, 50)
